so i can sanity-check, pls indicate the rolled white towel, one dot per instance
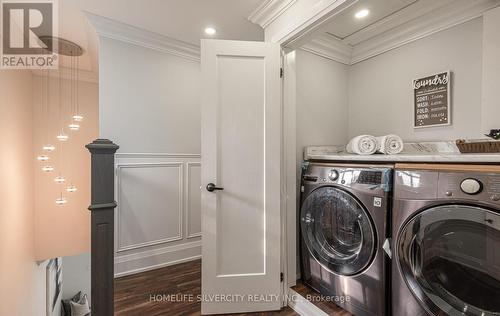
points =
(390, 144)
(362, 145)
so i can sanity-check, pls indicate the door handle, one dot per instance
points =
(211, 188)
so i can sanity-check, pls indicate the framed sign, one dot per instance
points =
(431, 98)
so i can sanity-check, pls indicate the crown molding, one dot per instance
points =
(389, 33)
(65, 73)
(109, 28)
(269, 11)
(455, 13)
(330, 47)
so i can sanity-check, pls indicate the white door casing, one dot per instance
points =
(241, 135)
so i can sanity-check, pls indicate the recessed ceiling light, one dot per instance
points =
(210, 31)
(362, 14)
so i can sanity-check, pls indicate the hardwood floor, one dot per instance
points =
(173, 291)
(167, 291)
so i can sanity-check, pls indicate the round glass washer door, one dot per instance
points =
(337, 231)
(450, 258)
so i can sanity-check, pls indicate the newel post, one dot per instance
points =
(102, 225)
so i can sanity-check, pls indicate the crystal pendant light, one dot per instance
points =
(49, 147)
(47, 168)
(74, 126)
(71, 188)
(42, 158)
(62, 137)
(61, 200)
(77, 118)
(60, 179)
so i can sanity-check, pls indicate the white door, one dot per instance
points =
(241, 132)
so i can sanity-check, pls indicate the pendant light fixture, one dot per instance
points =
(61, 200)
(60, 179)
(71, 188)
(64, 49)
(47, 169)
(49, 148)
(42, 158)
(62, 137)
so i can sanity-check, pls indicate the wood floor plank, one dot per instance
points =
(135, 294)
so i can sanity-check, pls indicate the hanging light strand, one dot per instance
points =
(78, 117)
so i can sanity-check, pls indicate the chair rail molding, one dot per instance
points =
(116, 30)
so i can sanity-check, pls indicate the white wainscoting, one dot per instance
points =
(158, 219)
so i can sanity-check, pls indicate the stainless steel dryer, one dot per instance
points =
(343, 218)
(446, 244)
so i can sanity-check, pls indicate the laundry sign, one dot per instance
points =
(432, 100)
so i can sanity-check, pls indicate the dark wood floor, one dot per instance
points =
(150, 293)
(133, 294)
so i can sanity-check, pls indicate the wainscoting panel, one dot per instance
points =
(193, 200)
(158, 218)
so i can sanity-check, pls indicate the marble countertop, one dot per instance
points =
(336, 153)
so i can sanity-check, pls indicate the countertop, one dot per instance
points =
(450, 155)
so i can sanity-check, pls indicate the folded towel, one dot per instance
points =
(362, 145)
(389, 144)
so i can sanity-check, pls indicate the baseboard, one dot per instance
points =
(155, 259)
(302, 306)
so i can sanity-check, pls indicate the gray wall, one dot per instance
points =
(149, 100)
(321, 104)
(150, 106)
(380, 91)
(76, 275)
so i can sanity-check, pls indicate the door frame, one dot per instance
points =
(289, 174)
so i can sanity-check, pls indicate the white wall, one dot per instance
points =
(150, 107)
(381, 95)
(63, 230)
(22, 282)
(76, 275)
(150, 101)
(491, 70)
(322, 100)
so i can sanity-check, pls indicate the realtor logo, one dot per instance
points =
(27, 28)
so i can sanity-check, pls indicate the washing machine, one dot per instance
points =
(446, 243)
(343, 226)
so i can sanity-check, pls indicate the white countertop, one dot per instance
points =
(337, 153)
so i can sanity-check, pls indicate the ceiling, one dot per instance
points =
(346, 24)
(184, 20)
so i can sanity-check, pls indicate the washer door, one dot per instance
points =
(337, 231)
(450, 258)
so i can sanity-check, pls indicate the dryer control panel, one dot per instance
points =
(369, 178)
(429, 185)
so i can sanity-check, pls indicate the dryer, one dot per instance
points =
(343, 226)
(446, 245)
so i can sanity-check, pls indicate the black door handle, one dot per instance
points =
(211, 188)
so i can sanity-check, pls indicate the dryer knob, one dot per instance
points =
(471, 186)
(333, 175)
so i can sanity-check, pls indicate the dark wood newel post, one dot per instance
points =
(102, 225)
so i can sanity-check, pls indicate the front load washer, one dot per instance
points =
(343, 216)
(446, 245)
